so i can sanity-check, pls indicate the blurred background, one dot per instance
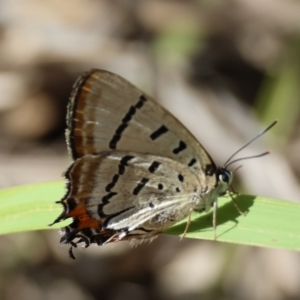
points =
(226, 69)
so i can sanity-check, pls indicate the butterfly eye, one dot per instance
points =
(225, 176)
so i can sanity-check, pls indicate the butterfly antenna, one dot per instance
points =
(227, 163)
(247, 157)
(237, 168)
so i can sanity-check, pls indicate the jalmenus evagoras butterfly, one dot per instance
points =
(136, 169)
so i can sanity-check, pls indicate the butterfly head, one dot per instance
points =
(224, 177)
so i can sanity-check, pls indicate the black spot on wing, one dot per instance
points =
(104, 200)
(141, 102)
(117, 136)
(180, 148)
(160, 186)
(154, 166)
(112, 183)
(178, 190)
(121, 170)
(160, 131)
(125, 122)
(140, 185)
(210, 170)
(180, 177)
(124, 163)
(129, 115)
(192, 162)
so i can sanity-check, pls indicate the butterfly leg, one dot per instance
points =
(234, 202)
(215, 207)
(187, 224)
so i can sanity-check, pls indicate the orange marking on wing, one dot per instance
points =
(84, 220)
(87, 222)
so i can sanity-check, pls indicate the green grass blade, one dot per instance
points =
(30, 207)
(269, 222)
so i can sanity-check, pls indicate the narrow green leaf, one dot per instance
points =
(30, 207)
(269, 222)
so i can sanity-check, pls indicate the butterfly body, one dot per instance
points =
(136, 169)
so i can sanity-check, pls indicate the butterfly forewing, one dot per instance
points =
(107, 113)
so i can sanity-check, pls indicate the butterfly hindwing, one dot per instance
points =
(126, 194)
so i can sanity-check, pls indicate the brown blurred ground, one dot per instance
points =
(207, 62)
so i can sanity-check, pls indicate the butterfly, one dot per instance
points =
(136, 169)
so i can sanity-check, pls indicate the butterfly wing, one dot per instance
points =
(124, 195)
(108, 113)
(137, 170)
